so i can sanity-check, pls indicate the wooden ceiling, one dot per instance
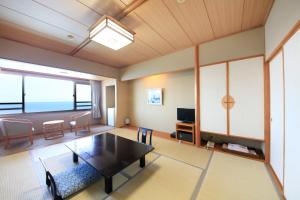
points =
(161, 26)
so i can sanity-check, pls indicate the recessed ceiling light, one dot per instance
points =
(180, 1)
(111, 33)
(71, 37)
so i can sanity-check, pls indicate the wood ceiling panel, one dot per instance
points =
(72, 9)
(98, 53)
(104, 7)
(17, 33)
(45, 15)
(255, 13)
(141, 48)
(192, 16)
(146, 34)
(225, 16)
(161, 26)
(156, 15)
(128, 55)
(31, 25)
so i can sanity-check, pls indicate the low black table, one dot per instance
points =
(109, 154)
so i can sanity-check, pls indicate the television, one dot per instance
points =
(186, 115)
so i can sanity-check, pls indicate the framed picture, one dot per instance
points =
(155, 96)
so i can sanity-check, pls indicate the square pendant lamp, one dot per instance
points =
(111, 33)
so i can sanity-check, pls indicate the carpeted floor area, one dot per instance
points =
(173, 171)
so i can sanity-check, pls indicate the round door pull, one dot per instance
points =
(228, 102)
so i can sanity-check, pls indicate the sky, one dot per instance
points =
(39, 89)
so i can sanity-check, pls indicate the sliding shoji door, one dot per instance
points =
(246, 86)
(212, 90)
(292, 117)
(277, 115)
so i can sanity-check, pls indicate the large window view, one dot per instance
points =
(23, 93)
(10, 93)
(45, 94)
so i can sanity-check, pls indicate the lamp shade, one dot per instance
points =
(111, 33)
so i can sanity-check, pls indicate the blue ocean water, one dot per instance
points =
(41, 107)
(47, 106)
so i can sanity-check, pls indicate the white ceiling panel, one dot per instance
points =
(72, 9)
(45, 15)
(20, 34)
(31, 24)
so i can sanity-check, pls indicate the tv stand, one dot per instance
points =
(185, 132)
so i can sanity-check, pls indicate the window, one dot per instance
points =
(10, 94)
(27, 93)
(46, 94)
(83, 96)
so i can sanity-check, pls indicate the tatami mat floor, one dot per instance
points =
(173, 171)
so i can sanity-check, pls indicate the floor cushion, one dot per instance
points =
(72, 180)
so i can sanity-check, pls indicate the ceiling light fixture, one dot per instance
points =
(111, 33)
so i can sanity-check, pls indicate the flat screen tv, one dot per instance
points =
(186, 115)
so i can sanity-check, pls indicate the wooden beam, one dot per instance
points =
(267, 111)
(80, 46)
(197, 97)
(129, 8)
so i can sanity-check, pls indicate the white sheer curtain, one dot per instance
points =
(96, 99)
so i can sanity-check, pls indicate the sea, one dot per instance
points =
(31, 107)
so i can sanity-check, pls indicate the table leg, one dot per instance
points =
(142, 162)
(108, 185)
(75, 158)
(62, 128)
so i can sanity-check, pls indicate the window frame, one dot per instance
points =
(75, 97)
(22, 108)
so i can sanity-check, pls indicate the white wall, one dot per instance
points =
(283, 16)
(122, 102)
(25, 53)
(178, 91)
(180, 60)
(239, 45)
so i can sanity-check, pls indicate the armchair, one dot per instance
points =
(81, 120)
(15, 129)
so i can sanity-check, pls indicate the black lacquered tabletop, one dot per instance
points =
(108, 153)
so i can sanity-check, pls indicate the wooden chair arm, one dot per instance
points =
(23, 121)
(78, 115)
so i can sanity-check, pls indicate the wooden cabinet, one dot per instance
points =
(232, 98)
(187, 129)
